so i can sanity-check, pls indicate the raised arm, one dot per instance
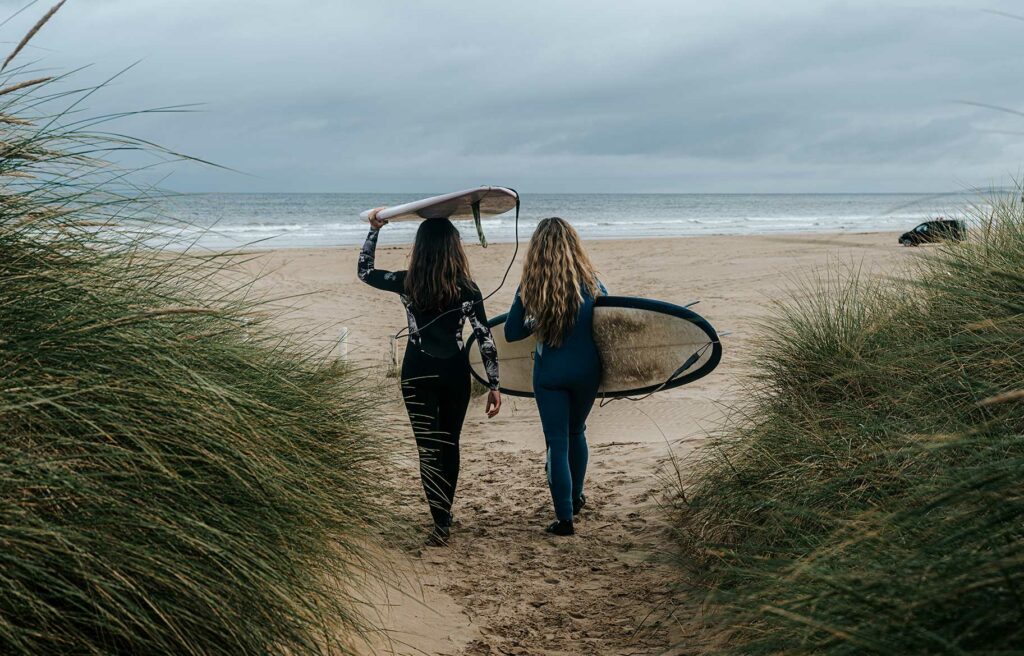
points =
(474, 311)
(391, 281)
(517, 326)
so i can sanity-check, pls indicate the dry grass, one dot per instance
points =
(176, 476)
(870, 499)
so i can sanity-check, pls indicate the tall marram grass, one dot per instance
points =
(871, 497)
(175, 476)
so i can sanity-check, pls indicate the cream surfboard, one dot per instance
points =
(645, 346)
(457, 205)
(475, 204)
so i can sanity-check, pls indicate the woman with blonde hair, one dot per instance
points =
(555, 302)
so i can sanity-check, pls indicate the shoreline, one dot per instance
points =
(524, 239)
(284, 221)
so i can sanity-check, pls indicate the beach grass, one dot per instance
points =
(869, 496)
(176, 475)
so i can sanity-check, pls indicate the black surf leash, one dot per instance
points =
(692, 360)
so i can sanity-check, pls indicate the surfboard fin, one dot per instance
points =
(479, 227)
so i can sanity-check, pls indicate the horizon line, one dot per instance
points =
(978, 190)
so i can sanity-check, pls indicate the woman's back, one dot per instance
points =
(437, 331)
(555, 299)
(578, 341)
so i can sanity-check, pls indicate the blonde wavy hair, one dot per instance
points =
(556, 275)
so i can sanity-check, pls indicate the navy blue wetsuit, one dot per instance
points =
(565, 382)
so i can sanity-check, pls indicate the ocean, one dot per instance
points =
(230, 221)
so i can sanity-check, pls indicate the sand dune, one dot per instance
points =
(503, 586)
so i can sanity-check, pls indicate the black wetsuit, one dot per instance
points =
(435, 377)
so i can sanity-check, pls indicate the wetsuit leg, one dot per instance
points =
(581, 401)
(451, 413)
(553, 405)
(421, 401)
(436, 394)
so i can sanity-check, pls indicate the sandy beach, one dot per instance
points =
(503, 586)
(206, 446)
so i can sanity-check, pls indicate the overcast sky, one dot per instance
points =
(583, 95)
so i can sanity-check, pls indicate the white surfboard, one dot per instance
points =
(456, 205)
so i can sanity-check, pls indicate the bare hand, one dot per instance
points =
(376, 223)
(493, 403)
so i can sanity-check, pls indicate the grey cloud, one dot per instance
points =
(657, 95)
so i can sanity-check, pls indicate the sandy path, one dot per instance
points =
(503, 586)
(527, 593)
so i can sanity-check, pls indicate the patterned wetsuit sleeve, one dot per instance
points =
(474, 311)
(604, 290)
(517, 326)
(391, 281)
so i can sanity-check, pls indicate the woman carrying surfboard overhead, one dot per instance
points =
(555, 302)
(439, 296)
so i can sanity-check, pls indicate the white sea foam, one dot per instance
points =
(219, 221)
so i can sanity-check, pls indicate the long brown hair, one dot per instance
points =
(556, 275)
(438, 267)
